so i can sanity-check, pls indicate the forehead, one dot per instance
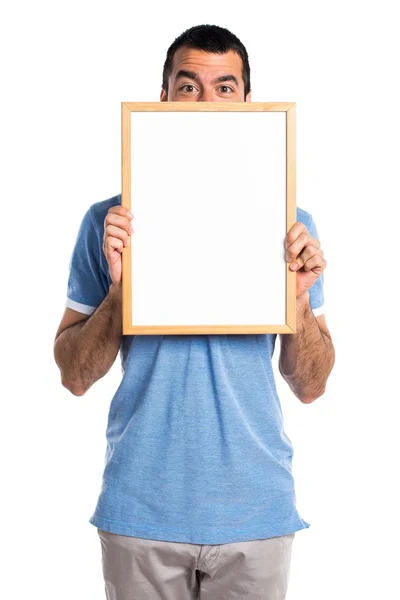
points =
(207, 63)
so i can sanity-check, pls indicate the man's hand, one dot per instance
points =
(117, 229)
(306, 256)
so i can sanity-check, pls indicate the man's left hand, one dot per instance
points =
(304, 251)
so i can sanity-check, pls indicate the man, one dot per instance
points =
(197, 491)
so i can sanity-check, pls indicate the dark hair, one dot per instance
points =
(209, 38)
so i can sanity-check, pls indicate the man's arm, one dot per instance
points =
(307, 356)
(86, 347)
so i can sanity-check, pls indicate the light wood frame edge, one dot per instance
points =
(291, 217)
(291, 214)
(126, 201)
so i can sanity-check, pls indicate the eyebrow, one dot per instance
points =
(195, 77)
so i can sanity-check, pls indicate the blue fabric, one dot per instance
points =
(196, 448)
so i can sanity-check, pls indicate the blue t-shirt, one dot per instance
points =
(196, 449)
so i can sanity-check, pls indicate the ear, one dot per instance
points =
(248, 97)
(163, 96)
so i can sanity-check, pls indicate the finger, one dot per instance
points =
(123, 211)
(317, 263)
(116, 232)
(294, 232)
(304, 240)
(118, 221)
(297, 229)
(111, 245)
(308, 253)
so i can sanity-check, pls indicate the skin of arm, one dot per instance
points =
(307, 356)
(85, 347)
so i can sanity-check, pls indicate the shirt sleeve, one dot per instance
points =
(317, 300)
(87, 285)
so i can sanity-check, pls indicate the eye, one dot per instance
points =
(227, 87)
(187, 85)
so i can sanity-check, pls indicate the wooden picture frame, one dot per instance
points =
(212, 186)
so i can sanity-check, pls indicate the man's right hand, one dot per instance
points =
(117, 232)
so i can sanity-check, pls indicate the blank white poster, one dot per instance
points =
(208, 191)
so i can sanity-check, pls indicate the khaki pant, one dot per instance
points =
(140, 569)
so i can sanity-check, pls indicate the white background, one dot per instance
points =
(66, 66)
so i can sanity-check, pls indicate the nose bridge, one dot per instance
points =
(207, 92)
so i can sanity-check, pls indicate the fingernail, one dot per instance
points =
(130, 215)
(294, 266)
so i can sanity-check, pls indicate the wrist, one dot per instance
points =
(303, 299)
(115, 289)
(302, 303)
